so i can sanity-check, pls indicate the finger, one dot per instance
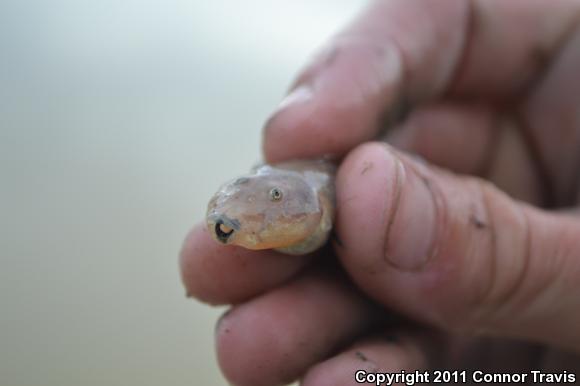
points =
(538, 139)
(550, 116)
(559, 361)
(472, 138)
(379, 354)
(455, 251)
(409, 51)
(492, 354)
(339, 99)
(453, 135)
(273, 339)
(219, 274)
(517, 39)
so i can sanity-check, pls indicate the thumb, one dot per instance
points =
(455, 251)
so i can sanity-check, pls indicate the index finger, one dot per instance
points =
(219, 274)
(405, 52)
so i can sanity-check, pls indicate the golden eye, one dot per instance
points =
(276, 194)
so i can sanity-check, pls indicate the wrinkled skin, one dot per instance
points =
(474, 246)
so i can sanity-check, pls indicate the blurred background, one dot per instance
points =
(118, 120)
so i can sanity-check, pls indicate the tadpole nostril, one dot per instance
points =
(222, 231)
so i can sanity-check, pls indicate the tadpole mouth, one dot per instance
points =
(223, 230)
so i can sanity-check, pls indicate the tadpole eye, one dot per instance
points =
(276, 194)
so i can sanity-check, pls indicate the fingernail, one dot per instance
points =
(221, 319)
(411, 234)
(299, 95)
(276, 123)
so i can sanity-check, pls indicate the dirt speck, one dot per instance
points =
(337, 240)
(361, 356)
(331, 56)
(477, 222)
(366, 167)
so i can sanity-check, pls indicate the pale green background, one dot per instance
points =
(118, 119)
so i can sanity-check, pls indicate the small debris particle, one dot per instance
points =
(332, 55)
(241, 181)
(361, 356)
(366, 167)
(336, 239)
(426, 181)
(477, 222)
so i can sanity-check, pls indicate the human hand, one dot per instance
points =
(493, 281)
